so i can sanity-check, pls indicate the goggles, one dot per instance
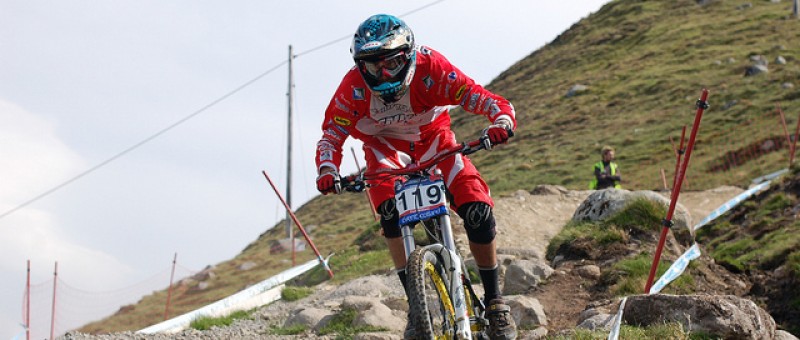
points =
(387, 67)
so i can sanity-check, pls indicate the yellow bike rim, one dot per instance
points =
(444, 296)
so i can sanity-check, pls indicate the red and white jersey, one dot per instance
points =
(423, 110)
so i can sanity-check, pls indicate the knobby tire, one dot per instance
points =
(429, 296)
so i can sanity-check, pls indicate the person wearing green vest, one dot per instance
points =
(606, 172)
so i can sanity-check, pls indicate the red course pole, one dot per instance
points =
(300, 226)
(678, 155)
(701, 105)
(169, 291)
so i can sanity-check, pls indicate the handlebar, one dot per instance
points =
(356, 183)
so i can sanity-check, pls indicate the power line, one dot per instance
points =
(144, 141)
(349, 36)
(184, 119)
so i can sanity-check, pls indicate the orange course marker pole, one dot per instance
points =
(299, 226)
(702, 105)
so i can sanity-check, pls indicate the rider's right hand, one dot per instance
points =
(329, 182)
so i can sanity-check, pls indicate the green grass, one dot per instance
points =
(765, 244)
(629, 276)
(641, 214)
(600, 233)
(348, 264)
(293, 293)
(206, 323)
(732, 254)
(291, 330)
(342, 325)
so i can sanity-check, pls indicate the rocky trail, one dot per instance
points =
(527, 221)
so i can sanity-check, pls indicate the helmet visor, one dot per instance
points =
(385, 68)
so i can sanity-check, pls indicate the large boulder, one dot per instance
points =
(724, 316)
(603, 204)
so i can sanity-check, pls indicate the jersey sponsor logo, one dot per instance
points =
(460, 92)
(333, 134)
(395, 118)
(358, 93)
(326, 156)
(388, 114)
(487, 103)
(325, 145)
(495, 109)
(342, 130)
(452, 76)
(342, 121)
(343, 98)
(339, 105)
(473, 101)
(428, 82)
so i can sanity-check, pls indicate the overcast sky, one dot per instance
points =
(83, 81)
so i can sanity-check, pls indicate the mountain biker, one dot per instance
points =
(396, 101)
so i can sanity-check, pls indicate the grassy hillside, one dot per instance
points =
(644, 64)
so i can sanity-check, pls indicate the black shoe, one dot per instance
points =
(501, 323)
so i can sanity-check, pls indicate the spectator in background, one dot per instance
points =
(606, 172)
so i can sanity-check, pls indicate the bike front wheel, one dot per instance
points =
(429, 297)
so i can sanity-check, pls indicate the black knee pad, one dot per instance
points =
(478, 221)
(389, 218)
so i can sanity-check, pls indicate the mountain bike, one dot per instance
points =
(442, 302)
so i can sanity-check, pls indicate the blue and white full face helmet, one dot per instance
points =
(383, 49)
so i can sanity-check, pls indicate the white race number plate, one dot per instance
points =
(420, 199)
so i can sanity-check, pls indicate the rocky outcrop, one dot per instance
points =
(602, 204)
(726, 316)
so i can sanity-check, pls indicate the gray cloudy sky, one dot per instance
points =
(82, 81)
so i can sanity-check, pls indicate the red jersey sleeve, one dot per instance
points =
(340, 120)
(447, 85)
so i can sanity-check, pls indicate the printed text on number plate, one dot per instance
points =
(418, 200)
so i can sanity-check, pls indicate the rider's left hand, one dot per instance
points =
(497, 133)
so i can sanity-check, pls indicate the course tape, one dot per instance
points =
(258, 294)
(614, 335)
(770, 176)
(730, 204)
(676, 269)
